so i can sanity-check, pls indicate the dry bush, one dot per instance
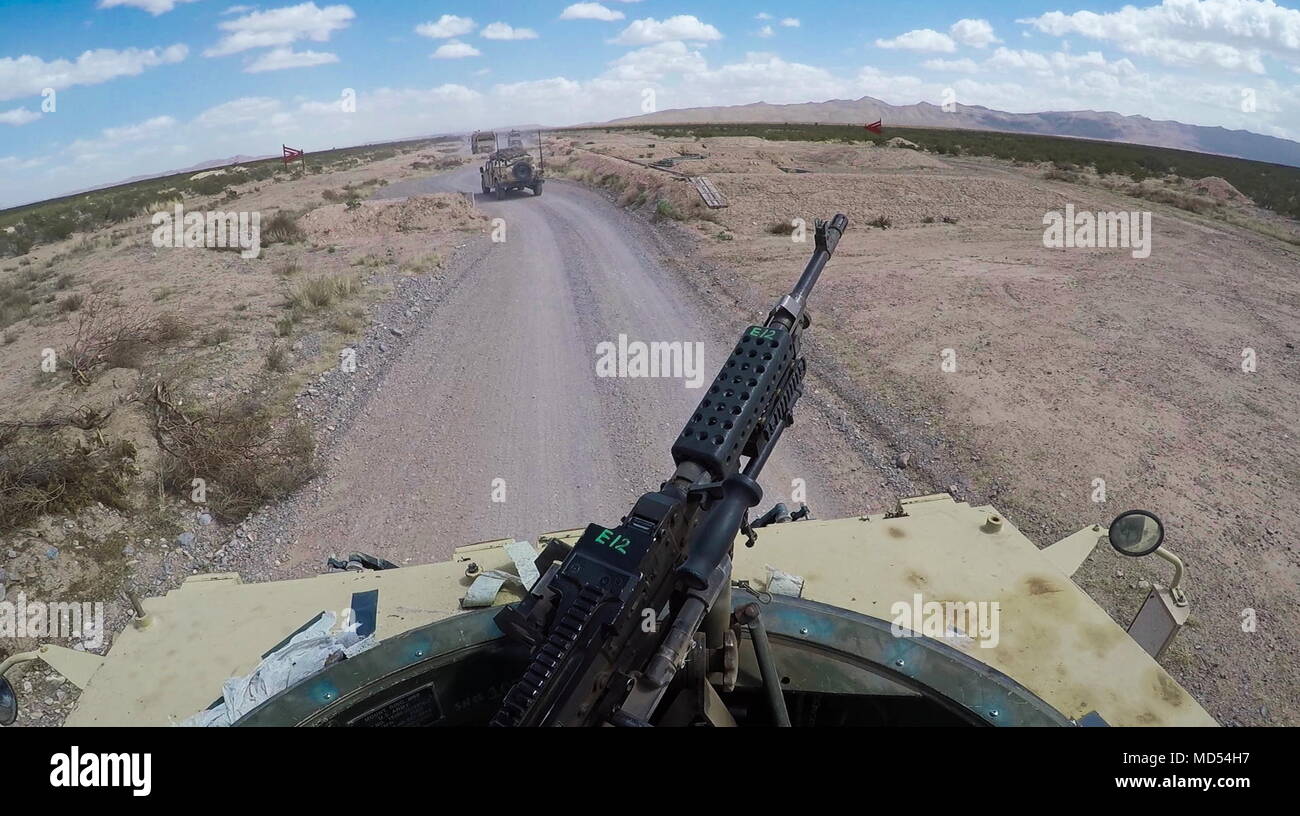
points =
(44, 470)
(282, 228)
(319, 293)
(116, 339)
(243, 456)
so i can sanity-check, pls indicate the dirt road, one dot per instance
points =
(501, 383)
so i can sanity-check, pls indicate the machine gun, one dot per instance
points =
(611, 620)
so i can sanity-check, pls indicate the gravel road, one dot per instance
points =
(500, 382)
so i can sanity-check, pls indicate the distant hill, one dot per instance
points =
(205, 165)
(1085, 124)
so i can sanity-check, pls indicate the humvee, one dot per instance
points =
(511, 169)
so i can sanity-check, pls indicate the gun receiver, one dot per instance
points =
(595, 620)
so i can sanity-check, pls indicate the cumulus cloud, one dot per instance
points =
(28, 75)
(680, 27)
(921, 39)
(18, 116)
(154, 7)
(961, 66)
(790, 22)
(448, 25)
(977, 33)
(1228, 34)
(590, 11)
(279, 27)
(279, 59)
(455, 49)
(655, 62)
(502, 31)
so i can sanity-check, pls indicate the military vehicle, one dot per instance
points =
(685, 612)
(512, 169)
(483, 141)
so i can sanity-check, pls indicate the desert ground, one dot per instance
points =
(1071, 366)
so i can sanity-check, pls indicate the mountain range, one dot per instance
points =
(1085, 124)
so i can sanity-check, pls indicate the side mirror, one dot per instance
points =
(1136, 533)
(8, 703)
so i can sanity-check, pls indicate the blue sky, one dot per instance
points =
(143, 86)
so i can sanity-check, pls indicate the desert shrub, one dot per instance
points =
(277, 358)
(781, 228)
(318, 293)
(46, 468)
(882, 221)
(71, 303)
(665, 209)
(219, 335)
(244, 457)
(282, 228)
(115, 338)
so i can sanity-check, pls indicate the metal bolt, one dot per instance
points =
(803, 631)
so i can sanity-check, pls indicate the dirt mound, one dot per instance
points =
(442, 211)
(1220, 190)
(899, 141)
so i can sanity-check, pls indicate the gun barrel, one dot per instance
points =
(790, 310)
(827, 240)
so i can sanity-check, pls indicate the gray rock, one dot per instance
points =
(52, 553)
(185, 539)
(396, 331)
(205, 519)
(903, 459)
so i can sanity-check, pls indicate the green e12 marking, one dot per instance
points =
(614, 540)
(762, 333)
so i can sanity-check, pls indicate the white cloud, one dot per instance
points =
(1228, 34)
(448, 25)
(18, 116)
(763, 15)
(237, 10)
(278, 59)
(154, 7)
(961, 66)
(142, 130)
(455, 50)
(279, 27)
(922, 39)
(501, 31)
(28, 75)
(590, 11)
(977, 33)
(790, 22)
(766, 31)
(655, 62)
(680, 27)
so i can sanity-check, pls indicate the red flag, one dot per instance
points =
(875, 127)
(290, 154)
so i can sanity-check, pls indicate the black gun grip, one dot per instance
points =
(718, 530)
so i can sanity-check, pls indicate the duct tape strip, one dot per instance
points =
(483, 592)
(365, 611)
(524, 556)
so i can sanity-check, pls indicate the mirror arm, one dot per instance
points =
(14, 660)
(1175, 587)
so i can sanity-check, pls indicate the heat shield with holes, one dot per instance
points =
(716, 434)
